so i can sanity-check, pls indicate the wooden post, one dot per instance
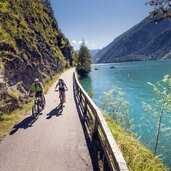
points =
(80, 96)
(85, 110)
(76, 88)
(85, 107)
(95, 129)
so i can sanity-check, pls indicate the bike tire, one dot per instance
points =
(62, 103)
(34, 111)
(38, 109)
(61, 106)
(44, 102)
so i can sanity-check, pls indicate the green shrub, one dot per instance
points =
(137, 157)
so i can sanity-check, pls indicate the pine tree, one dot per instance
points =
(75, 58)
(84, 60)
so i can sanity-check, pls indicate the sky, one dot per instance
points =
(97, 22)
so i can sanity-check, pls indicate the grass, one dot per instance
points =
(137, 157)
(7, 121)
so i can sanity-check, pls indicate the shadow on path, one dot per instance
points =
(55, 112)
(24, 124)
(92, 147)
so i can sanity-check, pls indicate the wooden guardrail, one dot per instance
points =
(96, 126)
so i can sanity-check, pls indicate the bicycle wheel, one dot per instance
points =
(43, 106)
(60, 104)
(38, 108)
(35, 109)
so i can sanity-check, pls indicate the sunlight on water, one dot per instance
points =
(132, 77)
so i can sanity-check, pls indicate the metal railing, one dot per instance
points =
(96, 126)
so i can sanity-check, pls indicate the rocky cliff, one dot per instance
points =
(145, 41)
(31, 45)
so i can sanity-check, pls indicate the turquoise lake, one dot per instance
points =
(132, 78)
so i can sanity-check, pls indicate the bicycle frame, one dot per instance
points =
(62, 97)
(36, 107)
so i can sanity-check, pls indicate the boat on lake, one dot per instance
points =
(112, 67)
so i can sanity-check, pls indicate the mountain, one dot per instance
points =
(93, 52)
(31, 45)
(144, 41)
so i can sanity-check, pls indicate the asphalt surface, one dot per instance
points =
(53, 142)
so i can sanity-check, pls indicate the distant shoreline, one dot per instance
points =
(136, 61)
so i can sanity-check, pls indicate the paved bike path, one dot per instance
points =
(53, 142)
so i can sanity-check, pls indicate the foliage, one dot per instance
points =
(117, 107)
(160, 110)
(75, 58)
(137, 157)
(49, 6)
(84, 61)
(90, 94)
(31, 25)
(3, 7)
(162, 9)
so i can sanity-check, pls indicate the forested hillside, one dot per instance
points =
(31, 45)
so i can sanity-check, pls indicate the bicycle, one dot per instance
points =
(61, 104)
(37, 107)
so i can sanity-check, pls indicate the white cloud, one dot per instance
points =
(74, 41)
(80, 42)
(93, 45)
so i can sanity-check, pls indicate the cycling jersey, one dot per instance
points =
(61, 86)
(37, 87)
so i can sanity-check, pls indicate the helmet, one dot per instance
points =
(60, 79)
(36, 80)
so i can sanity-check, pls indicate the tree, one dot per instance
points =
(84, 60)
(49, 6)
(162, 9)
(160, 110)
(75, 58)
(117, 107)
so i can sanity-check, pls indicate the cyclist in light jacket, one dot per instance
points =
(62, 89)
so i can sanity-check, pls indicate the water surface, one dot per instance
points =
(132, 78)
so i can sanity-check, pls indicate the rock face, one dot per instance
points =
(31, 45)
(145, 41)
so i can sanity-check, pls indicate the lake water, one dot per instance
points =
(132, 78)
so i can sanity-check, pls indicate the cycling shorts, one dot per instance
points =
(62, 89)
(38, 93)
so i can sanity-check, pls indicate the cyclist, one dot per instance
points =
(62, 89)
(38, 88)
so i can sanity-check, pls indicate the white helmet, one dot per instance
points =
(36, 80)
